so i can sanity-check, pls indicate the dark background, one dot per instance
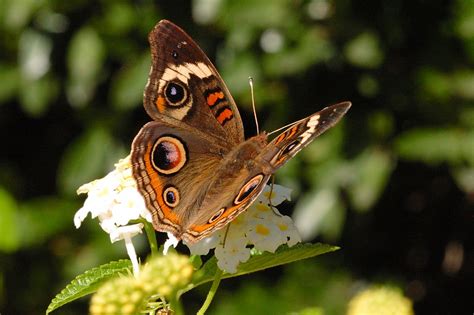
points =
(392, 184)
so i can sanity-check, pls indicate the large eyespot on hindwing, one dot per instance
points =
(248, 188)
(176, 93)
(168, 155)
(216, 216)
(171, 196)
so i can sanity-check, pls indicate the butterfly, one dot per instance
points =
(192, 163)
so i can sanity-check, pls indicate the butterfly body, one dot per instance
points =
(192, 164)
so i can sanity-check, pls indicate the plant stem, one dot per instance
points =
(211, 293)
(150, 234)
(176, 306)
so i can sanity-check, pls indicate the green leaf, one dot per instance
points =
(320, 211)
(312, 48)
(89, 282)
(10, 78)
(88, 158)
(434, 146)
(127, 86)
(370, 172)
(364, 51)
(282, 256)
(9, 237)
(37, 95)
(310, 311)
(85, 60)
(33, 229)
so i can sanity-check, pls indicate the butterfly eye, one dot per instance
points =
(171, 196)
(216, 216)
(175, 93)
(248, 188)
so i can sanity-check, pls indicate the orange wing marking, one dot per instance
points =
(214, 97)
(160, 104)
(224, 116)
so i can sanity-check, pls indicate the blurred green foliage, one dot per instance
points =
(72, 76)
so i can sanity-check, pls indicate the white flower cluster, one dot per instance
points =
(115, 200)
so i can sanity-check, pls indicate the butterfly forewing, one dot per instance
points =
(302, 133)
(184, 86)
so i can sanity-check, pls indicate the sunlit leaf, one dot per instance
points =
(282, 256)
(436, 145)
(236, 72)
(85, 61)
(433, 84)
(464, 21)
(87, 159)
(34, 229)
(18, 13)
(128, 85)
(365, 51)
(37, 95)
(310, 311)
(89, 282)
(311, 48)
(319, 211)
(10, 78)
(463, 84)
(370, 173)
(119, 17)
(464, 177)
(34, 54)
(10, 235)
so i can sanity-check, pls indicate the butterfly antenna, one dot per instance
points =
(253, 104)
(286, 126)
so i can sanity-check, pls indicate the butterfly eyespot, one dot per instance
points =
(248, 188)
(171, 196)
(216, 216)
(175, 93)
(168, 155)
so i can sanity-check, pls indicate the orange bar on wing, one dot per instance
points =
(293, 131)
(213, 97)
(225, 115)
(280, 138)
(160, 104)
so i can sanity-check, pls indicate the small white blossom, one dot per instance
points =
(115, 200)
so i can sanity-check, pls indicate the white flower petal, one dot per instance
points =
(205, 245)
(124, 232)
(171, 241)
(275, 194)
(80, 216)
